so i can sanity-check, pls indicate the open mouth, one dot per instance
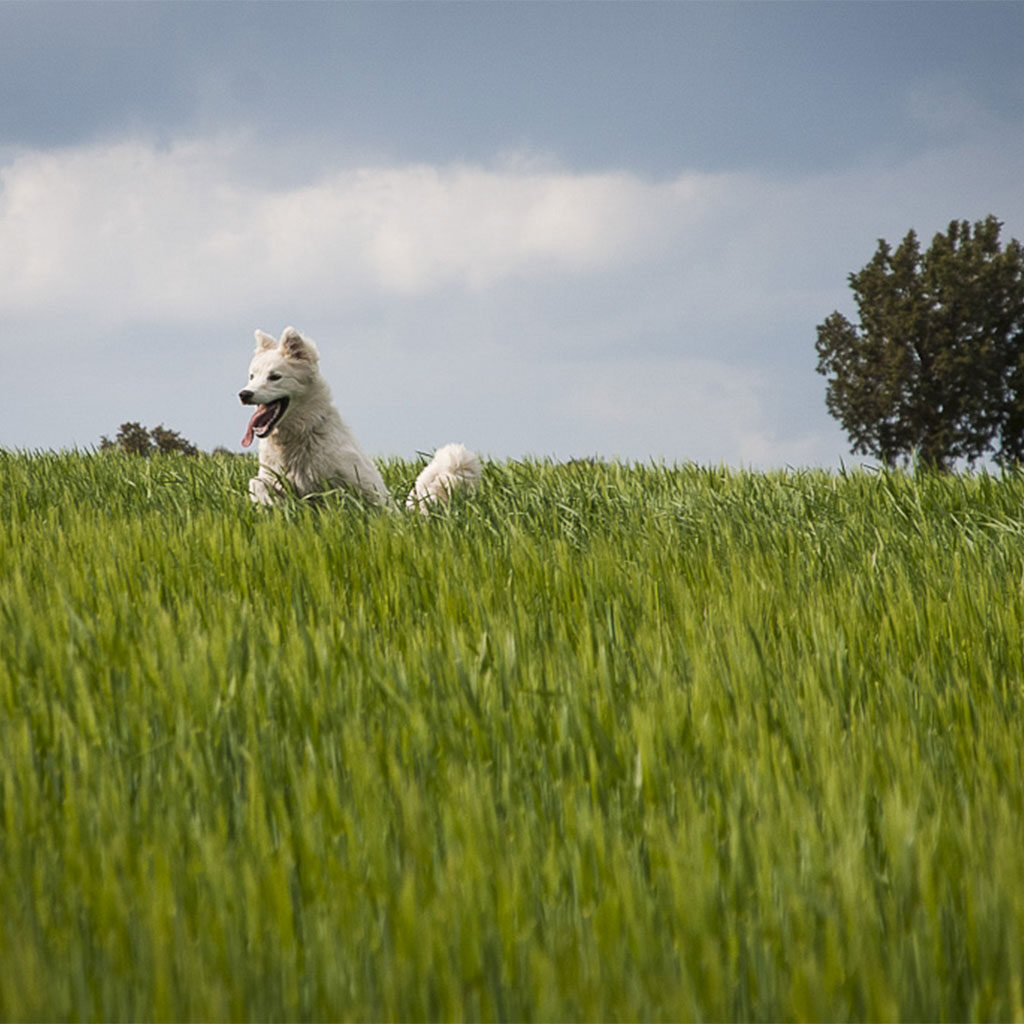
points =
(264, 419)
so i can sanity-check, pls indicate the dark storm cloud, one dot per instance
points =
(649, 87)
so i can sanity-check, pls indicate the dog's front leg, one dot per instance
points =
(261, 492)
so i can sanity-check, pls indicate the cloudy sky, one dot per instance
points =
(541, 229)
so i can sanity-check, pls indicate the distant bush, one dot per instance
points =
(135, 439)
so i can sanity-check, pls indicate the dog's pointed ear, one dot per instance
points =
(264, 341)
(295, 346)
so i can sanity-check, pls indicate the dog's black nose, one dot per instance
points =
(245, 396)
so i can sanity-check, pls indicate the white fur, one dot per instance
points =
(311, 447)
(453, 466)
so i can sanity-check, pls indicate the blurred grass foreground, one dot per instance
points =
(599, 742)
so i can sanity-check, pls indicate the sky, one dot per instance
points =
(542, 229)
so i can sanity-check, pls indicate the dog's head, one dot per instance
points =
(279, 373)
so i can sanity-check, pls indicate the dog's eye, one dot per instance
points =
(251, 375)
(273, 376)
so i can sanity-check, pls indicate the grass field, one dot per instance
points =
(602, 742)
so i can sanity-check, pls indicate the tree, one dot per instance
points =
(135, 439)
(935, 368)
(132, 438)
(165, 440)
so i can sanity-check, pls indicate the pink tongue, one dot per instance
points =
(247, 440)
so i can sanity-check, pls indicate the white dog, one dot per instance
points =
(304, 441)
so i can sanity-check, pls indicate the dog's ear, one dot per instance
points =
(264, 341)
(295, 346)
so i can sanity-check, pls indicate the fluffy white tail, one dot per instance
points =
(453, 467)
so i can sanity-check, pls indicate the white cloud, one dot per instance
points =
(134, 231)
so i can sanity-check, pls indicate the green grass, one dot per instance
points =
(599, 743)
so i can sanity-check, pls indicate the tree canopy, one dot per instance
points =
(934, 370)
(135, 439)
